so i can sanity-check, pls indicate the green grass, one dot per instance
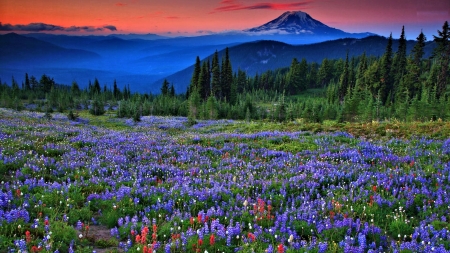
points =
(108, 120)
(373, 130)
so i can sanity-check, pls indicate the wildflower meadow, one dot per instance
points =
(160, 185)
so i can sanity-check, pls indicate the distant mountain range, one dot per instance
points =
(143, 61)
(260, 56)
(21, 51)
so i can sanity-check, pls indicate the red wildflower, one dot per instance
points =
(28, 236)
(200, 242)
(280, 248)
(212, 239)
(251, 237)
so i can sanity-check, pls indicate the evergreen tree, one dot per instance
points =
(46, 83)
(385, 73)
(116, 91)
(418, 50)
(344, 81)
(195, 75)
(241, 83)
(211, 105)
(194, 106)
(75, 89)
(27, 82)
(125, 93)
(399, 62)
(165, 88)
(281, 110)
(337, 70)
(226, 76)
(34, 83)
(325, 73)
(312, 75)
(410, 83)
(303, 72)
(203, 81)
(351, 73)
(97, 107)
(362, 67)
(96, 89)
(137, 114)
(215, 71)
(233, 91)
(172, 90)
(442, 56)
(294, 77)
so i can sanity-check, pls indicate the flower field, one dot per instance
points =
(160, 186)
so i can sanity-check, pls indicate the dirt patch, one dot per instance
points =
(98, 234)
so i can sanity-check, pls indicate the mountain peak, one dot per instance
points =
(295, 22)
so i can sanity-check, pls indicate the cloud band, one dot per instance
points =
(232, 5)
(40, 27)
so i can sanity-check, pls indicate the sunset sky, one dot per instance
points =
(195, 17)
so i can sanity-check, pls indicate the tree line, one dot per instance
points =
(363, 88)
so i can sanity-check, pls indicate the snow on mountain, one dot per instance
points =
(295, 22)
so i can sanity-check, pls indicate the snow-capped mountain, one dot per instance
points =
(301, 23)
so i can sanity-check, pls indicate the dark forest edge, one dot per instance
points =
(393, 87)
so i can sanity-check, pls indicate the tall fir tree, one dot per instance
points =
(442, 56)
(165, 88)
(325, 73)
(195, 75)
(409, 85)
(233, 91)
(362, 67)
(75, 89)
(226, 75)
(172, 90)
(116, 91)
(241, 83)
(399, 63)
(203, 82)
(294, 77)
(385, 73)
(344, 81)
(215, 78)
(303, 71)
(96, 89)
(27, 82)
(419, 49)
(312, 75)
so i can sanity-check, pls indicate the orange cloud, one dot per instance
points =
(231, 5)
(120, 4)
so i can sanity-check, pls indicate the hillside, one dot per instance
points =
(260, 56)
(17, 50)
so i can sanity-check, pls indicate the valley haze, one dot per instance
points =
(143, 61)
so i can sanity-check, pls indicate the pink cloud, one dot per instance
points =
(231, 5)
(120, 4)
(173, 17)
